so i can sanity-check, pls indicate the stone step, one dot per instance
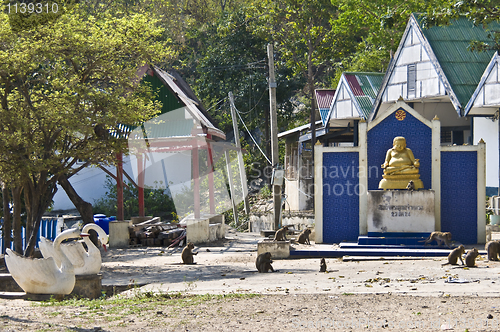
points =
(369, 252)
(383, 240)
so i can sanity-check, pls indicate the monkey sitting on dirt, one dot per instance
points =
(281, 234)
(187, 254)
(493, 249)
(454, 255)
(263, 262)
(470, 258)
(304, 236)
(322, 265)
(440, 238)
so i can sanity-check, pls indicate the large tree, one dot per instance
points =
(481, 12)
(65, 85)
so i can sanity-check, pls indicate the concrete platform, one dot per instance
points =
(373, 252)
(389, 245)
(86, 286)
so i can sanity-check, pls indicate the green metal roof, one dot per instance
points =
(365, 87)
(462, 67)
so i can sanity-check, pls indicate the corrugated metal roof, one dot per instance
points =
(324, 114)
(364, 87)
(180, 109)
(462, 67)
(299, 129)
(324, 99)
(171, 124)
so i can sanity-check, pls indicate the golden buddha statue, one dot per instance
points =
(400, 167)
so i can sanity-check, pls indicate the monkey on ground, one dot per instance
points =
(440, 238)
(322, 265)
(263, 262)
(454, 255)
(304, 236)
(281, 234)
(187, 254)
(470, 258)
(493, 249)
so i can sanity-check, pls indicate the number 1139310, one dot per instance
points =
(32, 8)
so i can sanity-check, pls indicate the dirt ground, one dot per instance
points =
(223, 292)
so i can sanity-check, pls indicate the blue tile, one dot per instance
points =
(340, 197)
(418, 139)
(459, 195)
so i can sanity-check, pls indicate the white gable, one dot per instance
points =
(414, 76)
(486, 98)
(343, 106)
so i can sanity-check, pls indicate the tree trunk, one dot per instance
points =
(16, 225)
(83, 207)
(7, 222)
(38, 197)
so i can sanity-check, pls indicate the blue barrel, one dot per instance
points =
(99, 216)
(103, 223)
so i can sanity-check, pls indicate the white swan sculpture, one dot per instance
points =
(84, 262)
(43, 275)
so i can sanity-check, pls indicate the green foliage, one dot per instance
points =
(67, 77)
(233, 58)
(157, 202)
(266, 192)
(481, 12)
(64, 85)
(227, 55)
(25, 15)
(375, 27)
(175, 299)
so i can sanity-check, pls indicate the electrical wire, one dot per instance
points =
(248, 131)
(250, 134)
(217, 103)
(250, 65)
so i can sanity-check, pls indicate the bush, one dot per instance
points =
(156, 202)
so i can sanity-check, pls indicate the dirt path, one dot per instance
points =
(355, 295)
(324, 312)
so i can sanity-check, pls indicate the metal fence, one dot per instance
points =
(50, 227)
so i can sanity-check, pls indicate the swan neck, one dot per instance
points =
(65, 262)
(90, 245)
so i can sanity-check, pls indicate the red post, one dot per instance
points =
(140, 183)
(210, 176)
(119, 187)
(196, 178)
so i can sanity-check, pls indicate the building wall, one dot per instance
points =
(418, 139)
(413, 65)
(490, 93)
(343, 106)
(340, 196)
(89, 184)
(292, 194)
(444, 110)
(486, 129)
(455, 173)
(173, 169)
(459, 176)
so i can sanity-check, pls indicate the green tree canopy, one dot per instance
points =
(64, 86)
(481, 12)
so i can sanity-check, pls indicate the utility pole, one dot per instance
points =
(274, 137)
(241, 166)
